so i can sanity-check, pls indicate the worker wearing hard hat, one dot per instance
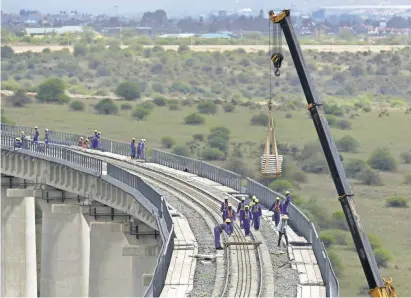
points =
(286, 203)
(256, 210)
(80, 142)
(248, 216)
(229, 226)
(276, 208)
(230, 215)
(133, 148)
(17, 143)
(224, 207)
(282, 229)
(240, 211)
(46, 136)
(36, 134)
(218, 230)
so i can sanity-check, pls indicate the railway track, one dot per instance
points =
(243, 271)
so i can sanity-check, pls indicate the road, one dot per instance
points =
(248, 48)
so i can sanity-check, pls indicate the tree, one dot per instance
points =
(382, 159)
(194, 119)
(260, 119)
(140, 113)
(207, 107)
(18, 99)
(128, 90)
(52, 90)
(77, 105)
(181, 150)
(106, 107)
(6, 52)
(168, 142)
(348, 144)
(80, 50)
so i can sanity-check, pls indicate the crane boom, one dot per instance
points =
(379, 287)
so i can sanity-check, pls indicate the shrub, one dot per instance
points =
(210, 153)
(168, 142)
(327, 239)
(126, 106)
(383, 257)
(80, 50)
(354, 167)
(181, 150)
(344, 124)
(207, 107)
(7, 52)
(160, 100)
(260, 119)
(348, 144)
(397, 202)
(316, 164)
(128, 90)
(10, 85)
(375, 241)
(288, 115)
(198, 137)
(52, 90)
(140, 113)
(406, 157)
(331, 119)
(77, 105)
(281, 185)
(106, 107)
(194, 119)
(335, 262)
(334, 109)
(382, 159)
(330, 237)
(228, 108)
(18, 99)
(369, 176)
(407, 179)
(339, 221)
(146, 105)
(174, 107)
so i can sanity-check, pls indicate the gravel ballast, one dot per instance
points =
(285, 278)
(205, 272)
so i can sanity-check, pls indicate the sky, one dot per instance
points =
(174, 7)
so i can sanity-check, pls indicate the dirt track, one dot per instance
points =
(248, 48)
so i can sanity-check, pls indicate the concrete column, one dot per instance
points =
(144, 260)
(65, 251)
(110, 273)
(18, 243)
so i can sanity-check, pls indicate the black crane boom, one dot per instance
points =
(346, 197)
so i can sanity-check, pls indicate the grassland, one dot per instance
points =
(391, 224)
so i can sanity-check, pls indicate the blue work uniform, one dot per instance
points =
(139, 149)
(36, 136)
(286, 203)
(248, 217)
(17, 143)
(46, 137)
(133, 149)
(218, 229)
(230, 213)
(224, 207)
(276, 208)
(256, 209)
(241, 212)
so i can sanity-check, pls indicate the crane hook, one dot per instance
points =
(277, 72)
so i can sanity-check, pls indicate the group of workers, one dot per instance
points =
(250, 215)
(91, 142)
(139, 148)
(21, 141)
(94, 140)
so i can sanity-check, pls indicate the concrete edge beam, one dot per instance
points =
(21, 193)
(65, 209)
(141, 250)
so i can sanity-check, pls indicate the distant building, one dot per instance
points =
(46, 31)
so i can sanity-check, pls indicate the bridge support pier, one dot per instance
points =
(18, 243)
(65, 251)
(144, 260)
(110, 273)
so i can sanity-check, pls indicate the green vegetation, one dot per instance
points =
(209, 106)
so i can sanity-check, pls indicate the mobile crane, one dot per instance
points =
(379, 287)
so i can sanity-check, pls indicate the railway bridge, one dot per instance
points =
(115, 227)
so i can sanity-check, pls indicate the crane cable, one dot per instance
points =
(270, 136)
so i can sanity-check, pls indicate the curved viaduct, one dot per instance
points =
(81, 253)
